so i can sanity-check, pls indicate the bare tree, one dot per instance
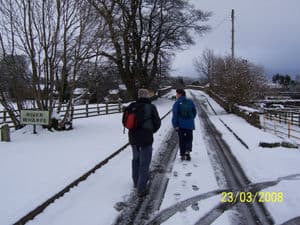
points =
(140, 30)
(236, 80)
(13, 84)
(57, 36)
(98, 79)
(205, 65)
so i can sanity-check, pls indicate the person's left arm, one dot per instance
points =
(156, 119)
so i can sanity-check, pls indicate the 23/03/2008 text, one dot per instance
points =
(248, 197)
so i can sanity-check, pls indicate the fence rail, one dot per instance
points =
(77, 112)
(283, 123)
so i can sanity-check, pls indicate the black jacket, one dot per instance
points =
(144, 136)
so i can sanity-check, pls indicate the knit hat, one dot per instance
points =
(143, 93)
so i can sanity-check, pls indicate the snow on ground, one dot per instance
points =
(261, 164)
(34, 167)
(188, 179)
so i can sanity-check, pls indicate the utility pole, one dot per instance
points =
(232, 34)
(230, 103)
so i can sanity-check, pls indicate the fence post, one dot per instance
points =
(72, 109)
(289, 129)
(72, 112)
(274, 126)
(5, 133)
(4, 116)
(264, 122)
(98, 110)
(87, 107)
(106, 108)
(280, 117)
(120, 106)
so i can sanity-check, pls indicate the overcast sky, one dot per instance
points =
(267, 32)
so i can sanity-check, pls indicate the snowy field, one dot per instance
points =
(34, 167)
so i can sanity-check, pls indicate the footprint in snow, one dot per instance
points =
(188, 174)
(177, 196)
(195, 206)
(195, 187)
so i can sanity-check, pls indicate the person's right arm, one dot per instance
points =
(175, 115)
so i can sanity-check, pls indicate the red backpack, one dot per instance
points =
(133, 116)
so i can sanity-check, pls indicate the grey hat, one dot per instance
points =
(143, 93)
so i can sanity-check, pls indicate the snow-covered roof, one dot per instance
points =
(79, 91)
(122, 87)
(113, 91)
(273, 85)
(165, 88)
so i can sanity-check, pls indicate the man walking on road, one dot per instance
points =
(184, 113)
(146, 122)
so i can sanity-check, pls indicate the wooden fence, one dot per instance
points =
(5, 119)
(283, 123)
(78, 111)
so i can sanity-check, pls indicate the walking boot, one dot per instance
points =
(188, 156)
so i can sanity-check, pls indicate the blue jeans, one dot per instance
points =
(185, 140)
(140, 166)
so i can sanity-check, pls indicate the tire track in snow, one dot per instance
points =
(138, 210)
(254, 213)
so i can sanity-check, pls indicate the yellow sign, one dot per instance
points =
(34, 117)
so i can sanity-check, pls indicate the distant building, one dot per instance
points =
(81, 95)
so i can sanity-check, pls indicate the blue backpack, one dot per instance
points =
(185, 109)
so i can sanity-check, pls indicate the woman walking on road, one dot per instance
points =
(184, 113)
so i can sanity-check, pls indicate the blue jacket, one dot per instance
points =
(177, 121)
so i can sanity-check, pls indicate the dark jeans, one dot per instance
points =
(185, 140)
(140, 166)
